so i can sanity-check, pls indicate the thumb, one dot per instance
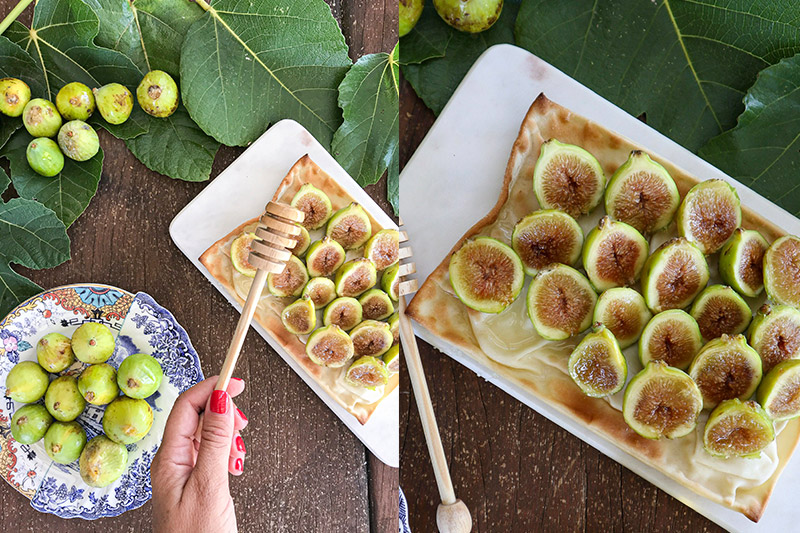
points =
(215, 441)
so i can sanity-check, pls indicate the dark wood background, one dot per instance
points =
(305, 471)
(515, 470)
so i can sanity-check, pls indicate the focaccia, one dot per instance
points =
(507, 343)
(360, 402)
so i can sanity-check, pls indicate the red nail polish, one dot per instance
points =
(238, 379)
(240, 444)
(219, 402)
(239, 465)
(241, 414)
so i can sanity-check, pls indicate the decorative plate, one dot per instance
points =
(140, 325)
(404, 525)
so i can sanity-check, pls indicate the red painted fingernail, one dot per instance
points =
(238, 379)
(241, 414)
(219, 402)
(239, 465)
(240, 444)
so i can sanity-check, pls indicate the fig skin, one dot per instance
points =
(350, 227)
(63, 399)
(93, 343)
(394, 326)
(738, 410)
(470, 16)
(45, 157)
(115, 102)
(687, 326)
(41, 118)
(724, 219)
(321, 291)
(719, 365)
(329, 346)
(302, 242)
(240, 251)
(64, 442)
(356, 277)
(127, 420)
(392, 359)
(623, 243)
(390, 282)
(54, 352)
(102, 461)
(315, 204)
(376, 305)
(774, 334)
(368, 372)
(590, 193)
(384, 248)
(14, 96)
(75, 101)
(157, 94)
(736, 274)
(547, 236)
(299, 317)
(465, 269)
(782, 267)
(334, 313)
(78, 140)
(324, 257)
(26, 382)
(410, 11)
(371, 337)
(30, 423)
(629, 310)
(781, 383)
(291, 281)
(577, 322)
(654, 275)
(139, 376)
(98, 384)
(737, 312)
(612, 368)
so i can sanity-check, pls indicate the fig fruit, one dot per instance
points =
(78, 140)
(322, 291)
(560, 302)
(139, 376)
(390, 282)
(597, 365)
(324, 257)
(115, 102)
(709, 214)
(98, 384)
(371, 337)
(30, 423)
(329, 346)
(486, 275)
(344, 312)
(127, 420)
(158, 94)
(671, 336)
(719, 309)
(376, 305)
(350, 226)
(355, 277)
(568, 178)
(54, 352)
(779, 391)
(26, 382)
(368, 372)
(726, 368)
(675, 273)
(240, 252)
(661, 401)
(392, 359)
(63, 399)
(291, 281)
(545, 237)
(75, 101)
(102, 461)
(64, 442)
(299, 317)
(303, 240)
(15, 95)
(624, 312)
(737, 429)
(394, 327)
(614, 254)
(45, 157)
(41, 118)
(93, 343)
(741, 262)
(410, 11)
(315, 204)
(383, 248)
(782, 271)
(642, 194)
(775, 334)
(471, 16)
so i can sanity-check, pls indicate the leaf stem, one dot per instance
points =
(16, 12)
(202, 4)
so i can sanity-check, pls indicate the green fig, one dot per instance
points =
(64, 442)
(139, 375)
(560, 302)
(368, 372)
(158, 94)
(383, 248)
(102, 461)
(726, 368)
(41, 118)
(709, 214)
(75, 101)
(719, 309)
(394, 327)
(324, 257)
(371, 337)
(356, 277)
(345, 312)
(779, 391)
(127, 420)
(240, 252)
(392, 359)
(741, 262)
(782, 270)
(78, 140)
(376, 305)
(30, 423)
(545, 237)
(14, 96)
(26, 382)
(390, 282)
(775, 334)
(315, 204)
(291, 281)
(568, 178)
(45, 157)
(302, 242)
(329, 346)
(623, 311)
(98, 384)
(737, 429)
(350, 226)
(115, 102)
(93, 343)
(322, 291)
(54, 352)
(486, 275)
(63, 399)
(614, 254)
(673, 275)
(300, 316)
(597, 365)
(471, 16)
(410, 11)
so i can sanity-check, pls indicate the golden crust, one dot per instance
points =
(217, 260)
(437, 309)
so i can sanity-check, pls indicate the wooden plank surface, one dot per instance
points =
(515, 470)
(304, 471)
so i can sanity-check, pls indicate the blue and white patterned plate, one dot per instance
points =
(140, 325)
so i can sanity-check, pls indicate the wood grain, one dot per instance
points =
(305, 471)
(514, 469)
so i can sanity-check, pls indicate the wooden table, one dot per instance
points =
(305, 471)
(515, 470)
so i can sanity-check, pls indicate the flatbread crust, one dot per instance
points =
(218, 262)
(436, 308)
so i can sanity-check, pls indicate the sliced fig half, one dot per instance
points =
(371, 337)
(709, 214)
(291, 281)
(741, 262)
(329, 346)
(614, 254)
(671, 336)
(368, 372)
(321, 291)
(675, 273)
(383, 248)
(719, 309)
(350, 226)
(641, 193)
(545, 237)
(240, 251)
(597, 365)
(775, 334)
(376, 305)
(737, 429)
(303, 240)
(324, 257)
(782, 271)
(315, 204)
(486, 275)
(726, 368)
(299, 317)
(390, 282)
(560, 302)
(356, 277)
(623, 311)
(394, 326)
(344, 312)
(392, 359)
(568, 178)
(661, 401)
(779, 392)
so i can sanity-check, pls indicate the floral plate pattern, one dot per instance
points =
(140, 325)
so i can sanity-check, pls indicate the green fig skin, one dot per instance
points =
(782, 383)
(26, 382)
(14, 96)
(54, 352)
(583, 367)
(747, 278)
(390, 282)
(774, 334)
(102, 461)
(45, 157)
(139, 376)
(780, 271)
(75, 101)
(41, 118)
(410, 11)
(93, 343)
(115, 102)
(98, 384)
(303, 241)
(64, 442)
(655, 267)
(127, 420)
(30, 423)
(63, 399)
(158, 94)
(737, 410)
(394, 327)
(470, 16)
(392, 359)
(78, 140)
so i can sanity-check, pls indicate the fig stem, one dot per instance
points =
(12, 16)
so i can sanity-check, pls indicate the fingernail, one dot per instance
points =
(241, 414)
(238, 379)
(240, 444)
(239, 465)
(219, 402)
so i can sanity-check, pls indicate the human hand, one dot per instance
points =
(190, 476)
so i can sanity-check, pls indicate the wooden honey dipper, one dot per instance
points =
(452, 516)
